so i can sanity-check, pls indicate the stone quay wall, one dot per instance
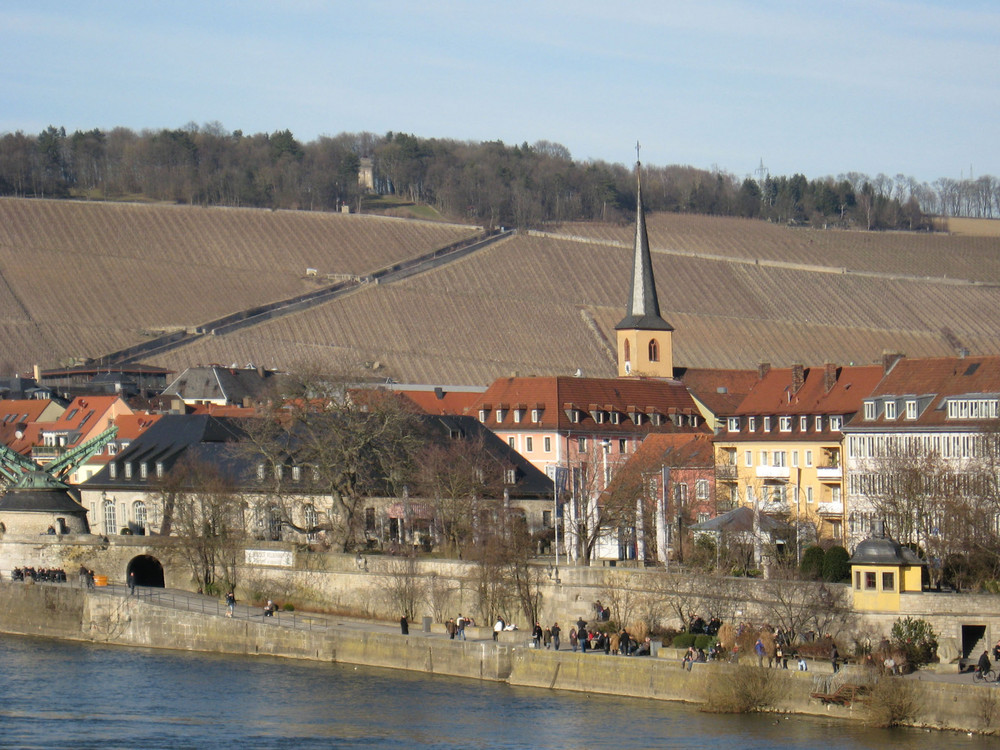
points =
(333, 582)
(94, 616)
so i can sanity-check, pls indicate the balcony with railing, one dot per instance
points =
(728, 472)
(772, 472)
(831, 471)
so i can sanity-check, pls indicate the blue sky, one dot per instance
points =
(820, 88)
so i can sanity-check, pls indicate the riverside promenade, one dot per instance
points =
(181, 620)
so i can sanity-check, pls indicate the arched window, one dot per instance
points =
(139, 514)
(628, 350)
(110, 520)
(654, 351)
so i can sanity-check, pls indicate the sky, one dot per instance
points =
(817, 88)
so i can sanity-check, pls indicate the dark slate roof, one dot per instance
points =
(38, 492)
(884, 551)
(643, 311)
(215, 382)
(531, 482)
(201, 437)
(740, 519)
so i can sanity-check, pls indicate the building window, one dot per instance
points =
(128, 469)
(857, 580)
(911, 409)
(785, 424)
(483, 413)
(748, 458)
(581, 444)
(890, 409)
(623, 445)
(752, 424)
(767, 424)
(296, 473)
(701, 489)
(511, 441)
(536, 416)
(680, 493)
(837, 422)
(803, 424)
(528, 444)
(870, 580)
(654, 351)
(144, 470)
(113, 470)
(548, 444)
(159, 470)
(795, 458)
(139, 514)
(110, 519)
(763, 458)
(809, 458)
(616, 417)
(260, 471)
(518, 413)
(311, 520)
(869, 410)
(809, 494)
(733, 424)
(628, 351)
(818, 424)
(780, 458)
(888, 581)
(501, 414)
(510, 476)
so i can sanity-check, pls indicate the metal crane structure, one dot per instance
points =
(15, 468)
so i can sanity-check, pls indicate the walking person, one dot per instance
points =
(573, 639)
(498, 628)
(404, 625)
(556, 630)
(460, 625)
(536, 635)
(131, 583)
(835, 658)
(758, 648)
(230, 604)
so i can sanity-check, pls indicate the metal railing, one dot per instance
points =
(207, 605)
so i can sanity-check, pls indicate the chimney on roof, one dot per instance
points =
(829, 376)
(36, 371)
(763, 369)
(798, 377)
(889, 359)
(439, 392)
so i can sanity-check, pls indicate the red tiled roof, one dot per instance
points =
(722, 391)
(775, 394)
(937, 378)
(555, 395)
(449, 402)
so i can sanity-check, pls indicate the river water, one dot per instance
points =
(57, 694)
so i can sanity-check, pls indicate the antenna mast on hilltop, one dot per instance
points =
(761, 172)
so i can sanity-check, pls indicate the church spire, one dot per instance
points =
(645, 346)
(643, 310)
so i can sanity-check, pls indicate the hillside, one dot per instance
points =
(81, 279)
(88, 278)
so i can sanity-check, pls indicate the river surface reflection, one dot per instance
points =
(65, 695)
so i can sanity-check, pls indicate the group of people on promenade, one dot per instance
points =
(47, 575)
(456, 626)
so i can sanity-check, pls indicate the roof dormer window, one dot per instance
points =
(890, 409)
(733, 424)
(536, 415)
(870, 411)
(767, 424)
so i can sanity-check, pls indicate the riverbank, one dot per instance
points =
(62, 611)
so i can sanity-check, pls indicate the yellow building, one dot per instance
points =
(882, 570)
(781, 450)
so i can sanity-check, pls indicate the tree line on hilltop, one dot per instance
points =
(488, 183)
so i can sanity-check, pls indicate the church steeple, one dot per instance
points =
(644, 337)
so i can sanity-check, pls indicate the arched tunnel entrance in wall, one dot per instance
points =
(148, 571)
